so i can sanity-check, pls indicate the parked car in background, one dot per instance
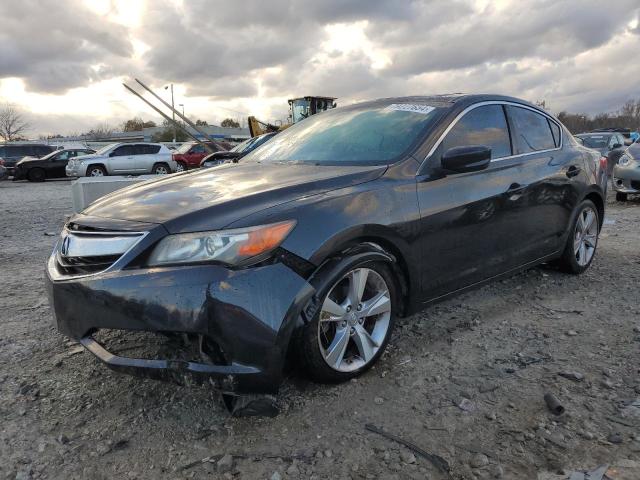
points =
(609, 144)
(12, 152)
(236, 152)
(625, 132)
(626, 173)
(315, 242)
(50, 166)
(190, 154)
(3, 170)
(123, 159)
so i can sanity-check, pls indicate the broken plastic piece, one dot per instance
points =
(554, 405)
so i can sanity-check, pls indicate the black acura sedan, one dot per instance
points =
(50, 166)
(318, 240)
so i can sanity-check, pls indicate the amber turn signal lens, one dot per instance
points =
(265, 239)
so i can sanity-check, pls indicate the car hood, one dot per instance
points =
(26, 159)
(90, 156)
(213, 198)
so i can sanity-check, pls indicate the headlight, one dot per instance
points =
(624, 160)
(230, 247)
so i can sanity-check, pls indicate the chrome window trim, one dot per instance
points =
(496, 102)
(52, 267)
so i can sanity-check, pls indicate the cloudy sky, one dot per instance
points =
(63, 61)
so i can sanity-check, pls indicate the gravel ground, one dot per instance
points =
(464, 380)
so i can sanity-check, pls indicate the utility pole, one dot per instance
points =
(172, 113)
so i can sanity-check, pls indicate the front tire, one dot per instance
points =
(96, 171)
(621, 197)
(161, 169)
(353, 325)
(36, 175)
(582, 241)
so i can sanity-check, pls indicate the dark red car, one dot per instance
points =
(190, 154)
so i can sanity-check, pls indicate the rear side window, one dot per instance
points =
(555, 131)
(484, 125)
(532, 130)
(198, 149)
(152, 149)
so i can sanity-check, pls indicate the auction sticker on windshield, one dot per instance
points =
(408, 107)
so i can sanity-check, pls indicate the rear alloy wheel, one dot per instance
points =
(583, 241)
(161, 169)
(180, 167)
(96, 171)
(36, 175)
(354, 324)
(621, 197)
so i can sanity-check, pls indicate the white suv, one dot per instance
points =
(123, 159)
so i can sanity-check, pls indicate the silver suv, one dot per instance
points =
(123, 159)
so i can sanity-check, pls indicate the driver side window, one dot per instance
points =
(487, 126)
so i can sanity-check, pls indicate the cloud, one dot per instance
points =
(55, 47)
(575, 54)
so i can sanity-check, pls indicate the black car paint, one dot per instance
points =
(49, 164)
(443, 233)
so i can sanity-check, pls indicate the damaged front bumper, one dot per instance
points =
(626, 179)
(244, 317)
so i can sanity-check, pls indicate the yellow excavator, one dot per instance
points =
(299, 109)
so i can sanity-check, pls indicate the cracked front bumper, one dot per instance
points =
(249, 314)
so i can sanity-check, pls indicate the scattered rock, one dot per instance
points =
(490, 415)
(571, 333)
(575, 376)
(225, 464)
(608, 384)
(496, 471)
(407, 457)
(378, 400)
(615, 438)
(328, 453)
(276, 476)
(293, 470)
(479, 460)
(466, 405)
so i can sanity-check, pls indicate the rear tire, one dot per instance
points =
(96, 171)
(582, 240)
(161, 169)
(181, 167)
(621, 197)
(36, 175)
(352, 326)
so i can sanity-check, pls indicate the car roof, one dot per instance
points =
(449, 100)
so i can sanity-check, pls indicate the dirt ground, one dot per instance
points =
(464, 380)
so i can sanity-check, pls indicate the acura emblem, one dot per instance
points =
(64, 248)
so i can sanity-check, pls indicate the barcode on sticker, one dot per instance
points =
(408, 107)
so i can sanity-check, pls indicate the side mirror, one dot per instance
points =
(466, 159)
(616, 145)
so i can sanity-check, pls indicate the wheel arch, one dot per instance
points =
(598, 200)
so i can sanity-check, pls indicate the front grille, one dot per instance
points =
(85, 265)
(89, 252)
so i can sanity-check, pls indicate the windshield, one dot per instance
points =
(49, 155)
(251, 143)
(595, 141)
(184, 148)
(106, 148)
(371, 135)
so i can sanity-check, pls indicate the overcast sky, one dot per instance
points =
(63, 61)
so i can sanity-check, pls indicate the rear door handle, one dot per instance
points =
(572, 171)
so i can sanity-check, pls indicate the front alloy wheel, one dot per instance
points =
(353, 325)
(354, 320)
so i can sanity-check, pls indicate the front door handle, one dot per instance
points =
(515, 188)
(572, 171)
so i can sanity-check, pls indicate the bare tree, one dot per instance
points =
(100, 132)
(12, 123)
